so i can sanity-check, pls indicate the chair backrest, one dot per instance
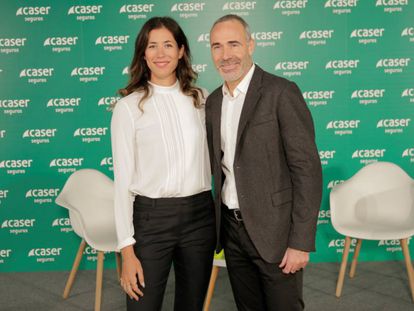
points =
(88, 194)
(380, 193)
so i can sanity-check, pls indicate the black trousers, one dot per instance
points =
(256, 284)
(179, 231)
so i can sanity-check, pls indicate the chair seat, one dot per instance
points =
(375, 231)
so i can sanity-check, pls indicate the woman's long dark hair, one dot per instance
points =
(140, 73)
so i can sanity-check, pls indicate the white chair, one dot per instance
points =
(377, 203)
(88, 195)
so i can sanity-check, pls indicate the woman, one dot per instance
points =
(163, 206)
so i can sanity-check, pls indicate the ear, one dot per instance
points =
(181, 52)
(251, 46)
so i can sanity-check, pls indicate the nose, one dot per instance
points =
(226, 52)
(160, 51)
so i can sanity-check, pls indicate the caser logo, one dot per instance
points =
(409, 152)
(367, 97)
(66, 162)
(188, 7)
(290, 7)
(292, 68)
(106, 101)
(36, 75)
(45, 254)
(14, 106)
(125, 71)
(339, 244)
(3, 194)
(18, 223)
(33, 13)
(267, 38)
(62, 223)
(18, 226)
(16, 163)
(333, 183)
(343, 127)
(12, 42)
(368, 153)
(393, 126)
(41, 193)
(204, 37)
(30, 10)
(60, 41)
(199, 68)
(14, 167)
(342, 67)
(408, 32)
(112, 43)
(136, 11)
(61, 44)
(66, 165)
(90, 131)
(36, 72)
(64, 102)
(88, 74)
(112, 40)
(316, 34)
(39, 136)
(239, 6)
(391, 6)
(4, 253)
(393, 123)
(374, 93)
(367, 35)
(318, 98)
(39, 133)
(41, 196)
(341, 6)
(316, 37)
(393, 65)
(87, 71)
(106, 161)
(85, 12)
(91, 134)
(11, 45)
(326, 155)
(2, 133)
(323, 217)
(408, 93)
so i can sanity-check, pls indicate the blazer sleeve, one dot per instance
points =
(298, 136)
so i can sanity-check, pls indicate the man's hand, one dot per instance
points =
(294, 260)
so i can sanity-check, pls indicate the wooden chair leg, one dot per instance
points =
(408, 264)
(99, 275)
(74, 270)
(211, 285)
(355, 258)
(118, 264)
(343, 267)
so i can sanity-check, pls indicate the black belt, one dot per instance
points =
(233, 213)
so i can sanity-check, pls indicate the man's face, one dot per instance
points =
(231, 50)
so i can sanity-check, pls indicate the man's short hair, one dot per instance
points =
(234, 17)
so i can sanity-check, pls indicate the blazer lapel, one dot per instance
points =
(252, 97)
(216, 124)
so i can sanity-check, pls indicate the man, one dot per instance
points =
(267, 174)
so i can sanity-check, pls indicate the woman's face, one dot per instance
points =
(162, 55)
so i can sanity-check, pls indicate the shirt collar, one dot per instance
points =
(242, 86)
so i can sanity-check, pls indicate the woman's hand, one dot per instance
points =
(131, 268)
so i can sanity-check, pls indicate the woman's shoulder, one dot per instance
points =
(129, 102)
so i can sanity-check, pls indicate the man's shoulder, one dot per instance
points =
(215, 94)
(270, 79)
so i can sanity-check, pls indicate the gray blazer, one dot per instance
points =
(277, 168)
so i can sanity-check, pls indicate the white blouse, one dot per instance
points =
(161, 152)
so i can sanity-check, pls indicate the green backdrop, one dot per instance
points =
(61, 63)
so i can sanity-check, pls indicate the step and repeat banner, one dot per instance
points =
(62, 62)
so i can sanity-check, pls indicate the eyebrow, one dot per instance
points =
(228, 42)
(166, 41)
